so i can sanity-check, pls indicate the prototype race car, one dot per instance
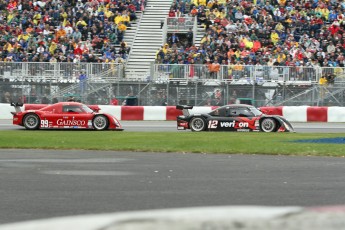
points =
(236, 117)
(65, 115)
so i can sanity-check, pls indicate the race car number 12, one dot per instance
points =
(212, 124)
(44, 123)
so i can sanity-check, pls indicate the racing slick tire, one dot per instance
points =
(31, 121)
(268, 125)
(100, 122)
(197, 124)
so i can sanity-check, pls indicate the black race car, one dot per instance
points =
(235, 117)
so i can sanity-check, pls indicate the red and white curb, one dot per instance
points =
(169, 113)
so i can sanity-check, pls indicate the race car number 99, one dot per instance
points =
(44, 123)
(212, 124)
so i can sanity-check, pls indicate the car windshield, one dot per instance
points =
(87, 109)
(256, 111)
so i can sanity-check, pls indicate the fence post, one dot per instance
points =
(196, 94)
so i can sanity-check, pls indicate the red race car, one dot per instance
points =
(65, 115)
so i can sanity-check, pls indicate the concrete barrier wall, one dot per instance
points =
(162, 113)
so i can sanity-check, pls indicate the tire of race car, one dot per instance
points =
(268, 125)
(31, 121)
(100, 122)
(197, 124)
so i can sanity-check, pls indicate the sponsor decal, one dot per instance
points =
(68, 123)
(213, 124)
(243, 130)
(180, 125)
(233, 123)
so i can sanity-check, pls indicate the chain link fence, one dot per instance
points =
(105, 83)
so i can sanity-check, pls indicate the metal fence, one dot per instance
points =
(59, 72)
(37, 82)
(171, 84)
(242, 74)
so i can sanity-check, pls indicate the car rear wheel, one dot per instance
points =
(100, 122)
(31, 121)
(197, 124)
(268, 125)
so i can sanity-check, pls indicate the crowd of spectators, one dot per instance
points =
(65, 30)
(261, 32)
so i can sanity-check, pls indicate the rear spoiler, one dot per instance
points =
(184, 109)
(16, 107)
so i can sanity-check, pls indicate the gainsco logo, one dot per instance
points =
(62, 122)
(233, 123)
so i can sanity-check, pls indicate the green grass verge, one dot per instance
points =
(206, 142)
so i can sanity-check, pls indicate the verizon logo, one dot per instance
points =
(232, 124)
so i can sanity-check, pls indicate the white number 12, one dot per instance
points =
(212, 124)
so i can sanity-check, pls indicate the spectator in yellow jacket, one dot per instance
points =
(195, 2)
(274, 37)
(108, 13)
(202, 2)
(8, 46)
(37, 17)
(125, 18)
(165, 48)
(121, 27)
(25, 36)
(64, 16)
(52, 48)
(81, 23)
(323, 80)
(118, 19)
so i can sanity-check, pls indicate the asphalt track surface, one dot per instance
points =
(37, 184)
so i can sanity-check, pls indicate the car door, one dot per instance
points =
(232, 119)
(228, 121)
(244, 119)
(73, 116)
(49, 117)
(222, 119)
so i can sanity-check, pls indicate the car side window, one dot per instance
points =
(243, 112)
(71, 109)
(231, 112)
(238, 112)
(221, 112)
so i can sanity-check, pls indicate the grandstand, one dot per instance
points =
(168, 52)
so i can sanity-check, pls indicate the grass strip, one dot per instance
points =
(205, 142)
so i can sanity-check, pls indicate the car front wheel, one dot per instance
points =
(197, 124)
(100, 122)
(268, 125)
(31, 121)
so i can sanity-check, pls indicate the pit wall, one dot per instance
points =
(169, 113)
